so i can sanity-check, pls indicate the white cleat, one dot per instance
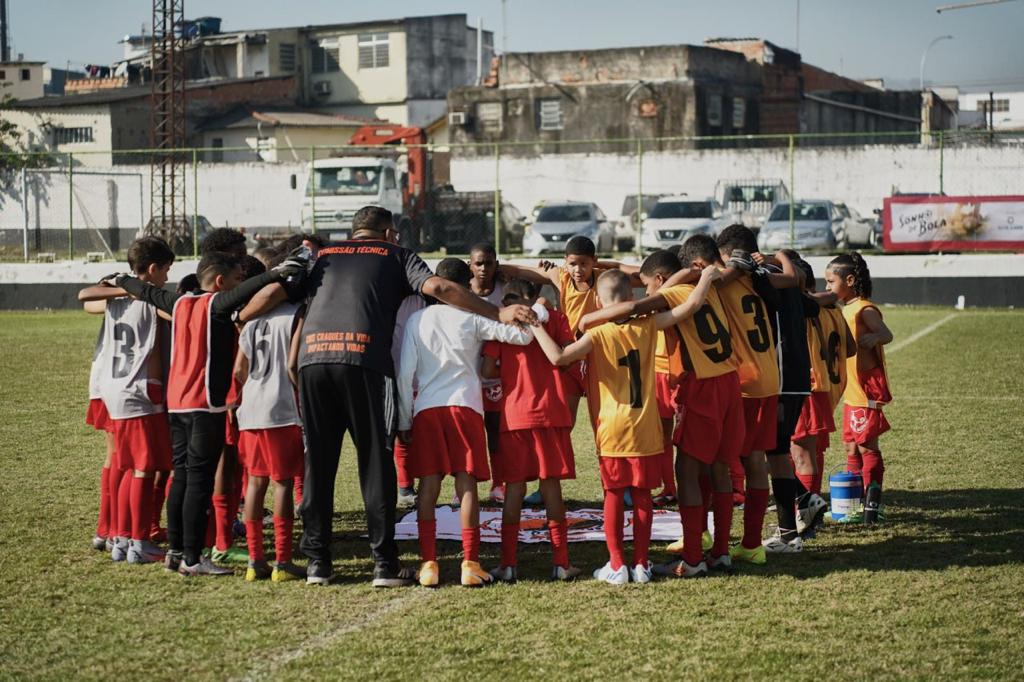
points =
(641, 573)
(776, 545)
(808, 518)
(612, 577)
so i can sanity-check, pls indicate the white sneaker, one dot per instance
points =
(203, 567)
(721, 563)
(641, 573)
(119, 552)
(563, 574)
(776, 545)
(814, 513)
(406, 497)
(612, 577)
(144, 552)
(99, 543)
(504, 574)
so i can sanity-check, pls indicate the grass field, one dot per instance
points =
(938, 591)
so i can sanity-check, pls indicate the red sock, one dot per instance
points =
(739, 479)
(819, 471)
(753, 516)
(157, 508)
(222, 521)
(297, 487)
(401, 465)
(722, 505)
(283, 527)
(428, 539)
(693, 526)
(668, 471)
(558, 533)
(614, 514)
(807, 480)
(254, 539)
(643, 520)
(853, 463)
(873, 468)
(141, 502)
(471, 544)
(704, 481)
(103, 522)
(123, 529)
(509, 543)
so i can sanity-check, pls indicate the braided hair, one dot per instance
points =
(853, 263)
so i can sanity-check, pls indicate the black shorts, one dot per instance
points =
(789, 413)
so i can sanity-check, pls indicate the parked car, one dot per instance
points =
(557, 223)
(629, 219)
(676, 218)
(861, 232)
(749, 201)
(818, 225)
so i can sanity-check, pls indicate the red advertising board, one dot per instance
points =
(940, 223)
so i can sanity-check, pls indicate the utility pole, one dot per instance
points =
(5, 45)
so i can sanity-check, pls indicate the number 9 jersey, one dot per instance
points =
(130, 330)
(707, 344)
(622, 368)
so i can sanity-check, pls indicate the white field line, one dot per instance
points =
(964, 398)
(921, 333)
(267, 668)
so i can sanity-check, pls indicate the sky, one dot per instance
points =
(856, 38)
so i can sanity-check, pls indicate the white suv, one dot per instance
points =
(676, 218)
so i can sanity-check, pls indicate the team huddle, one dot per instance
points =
(720, 382)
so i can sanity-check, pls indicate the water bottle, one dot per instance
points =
(872, 503)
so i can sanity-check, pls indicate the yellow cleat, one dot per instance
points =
(283, 572)
(429, 574)
(257, 570)
(706, 542)
(676, 547)
(754, 556)
(473, 575)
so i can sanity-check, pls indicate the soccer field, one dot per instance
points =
(936, 591)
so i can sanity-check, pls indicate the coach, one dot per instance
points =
(346, 380)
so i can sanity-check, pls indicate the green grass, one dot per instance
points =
(938, 591)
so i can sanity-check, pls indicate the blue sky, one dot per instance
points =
(858, 38)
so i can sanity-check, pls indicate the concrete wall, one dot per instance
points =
(35, 125)
(12, 84)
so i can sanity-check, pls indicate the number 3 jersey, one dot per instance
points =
(622, 368)
(130, 334)
(268, 397)
(752, 339)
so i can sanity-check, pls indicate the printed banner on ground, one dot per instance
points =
(585, 525)
(938, 223)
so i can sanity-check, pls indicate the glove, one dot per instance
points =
(541, 311)
(741, 260)
(296, 263)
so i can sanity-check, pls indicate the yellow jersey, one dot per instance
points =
(573, 302)
(829, 345)
(854, 394)
(622, 372)
(706, 343)
(752, 341)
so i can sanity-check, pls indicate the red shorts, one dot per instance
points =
(276, 453)
(448, 440)
(861, 424)
(760, 421)
(529, 454)
(666, 395)
(875, 385)
(630, 472)
(710, 428)
(815, 418)
(492, 398)
(143, 443)
(97, 416)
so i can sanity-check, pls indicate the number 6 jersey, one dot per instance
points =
(268, 398)
(130, 332)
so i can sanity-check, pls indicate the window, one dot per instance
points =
(997, 105)
(549, 114)
(739, 112)
(389, 179)
(714, 113)
(3, 75)
(488, 116)
(72, 135)
(324, 57)
(286, 56)
(218, 145)
(373, 50)
(27, 75)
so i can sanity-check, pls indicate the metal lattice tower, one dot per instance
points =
(167, 121)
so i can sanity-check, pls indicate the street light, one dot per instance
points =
(924, 55)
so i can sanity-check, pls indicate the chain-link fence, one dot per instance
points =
(527, 198)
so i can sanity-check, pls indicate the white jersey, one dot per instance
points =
(130, 330)
(97, 363)
(268, 397)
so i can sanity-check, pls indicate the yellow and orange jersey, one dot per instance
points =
(574, 302)
(707, 348)
(752, 341)
(829, 345)
(855, 393)
(622, 372)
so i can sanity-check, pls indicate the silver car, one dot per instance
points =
(558, 222)
(817, 225)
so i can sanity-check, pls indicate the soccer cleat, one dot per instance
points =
(172, 560)
(641, 573)
(144, 552)
(201, 568)
(319, 572)
(473, 575)
(609, 575)
(99, 544)
(676, 547)
(258, 570)
(534, 499)
(720, 563)
(406, 497)
(429, 574)
(384, 576)
(285, 571)
(776, 545)
(808, 518)
(120, 549)
(681, 569)
(498, 494)
(754, 556)
(706, 542)
(231, 554)
(664, 500)
(505, 574)
(564, 573)
(109, 545)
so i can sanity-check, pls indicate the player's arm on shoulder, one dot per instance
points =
(632, 270)
(789, 277)
(530, 274)
(684, 276)
(562, 356)
(823, 298)
(489, 330)
(100, 292)
(612, 313)
(460, 297)
(693, 303)
(95, 307)
(265, 300)
(143, 291)
(878, 333)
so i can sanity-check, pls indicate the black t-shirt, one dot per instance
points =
(354, 290)
(791, 309)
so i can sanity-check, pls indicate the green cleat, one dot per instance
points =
(229, 555)
(754, 556)
(706, 542)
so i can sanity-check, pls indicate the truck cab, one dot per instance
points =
(338, 187)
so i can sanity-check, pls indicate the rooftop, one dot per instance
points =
(246, 117)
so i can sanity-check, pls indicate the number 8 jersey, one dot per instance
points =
(130, 330)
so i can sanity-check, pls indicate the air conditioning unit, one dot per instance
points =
(457, 118)
(322, 88)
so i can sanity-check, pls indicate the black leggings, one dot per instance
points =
(197, 440)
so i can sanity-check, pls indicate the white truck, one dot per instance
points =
(338, 187)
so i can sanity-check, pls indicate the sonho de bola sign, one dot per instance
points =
(939, 223)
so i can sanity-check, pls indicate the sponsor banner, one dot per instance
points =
(585, 525)
(938, 223)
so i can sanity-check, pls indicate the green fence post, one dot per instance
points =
(792, 191)
(71, 206)
(497, 199)
(638, 228)
(942, 162)
(195, 203)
